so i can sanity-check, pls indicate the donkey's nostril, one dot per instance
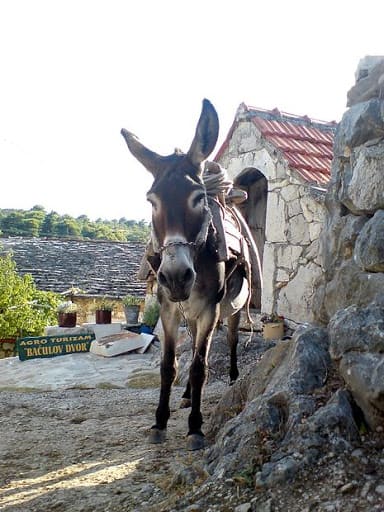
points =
(162, 279)
(188, 275)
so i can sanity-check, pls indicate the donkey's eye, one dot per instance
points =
(154, 202)
(199, 198)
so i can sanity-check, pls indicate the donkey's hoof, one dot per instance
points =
(195, 442)
(157, 436)
(185, 403)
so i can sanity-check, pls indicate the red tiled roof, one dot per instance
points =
(305, 143)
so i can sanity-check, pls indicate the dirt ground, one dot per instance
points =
(86, 450)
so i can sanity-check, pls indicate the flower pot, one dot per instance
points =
(132, 314)
(103, 316)
(67, 319)
(146, 329)
(273, 330)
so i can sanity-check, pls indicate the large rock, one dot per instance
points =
(361, 123)
(370, 83)
(269, 417)
(357, 329)
(357, 341)
(362, 188)
(369, 250)
(351, 285)
(337, 241)
(330, 427)
(364, 376)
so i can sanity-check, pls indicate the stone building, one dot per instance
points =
(283, 161)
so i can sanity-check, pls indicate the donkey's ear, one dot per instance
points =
(207, 131)
(151, 161)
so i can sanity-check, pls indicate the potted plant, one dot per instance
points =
(150, 315)
(273, 326)
(132, 305)
(67, 314)
(103, 311)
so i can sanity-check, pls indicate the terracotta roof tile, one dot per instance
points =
(306, 144)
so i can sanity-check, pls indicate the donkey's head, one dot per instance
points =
(180, 214)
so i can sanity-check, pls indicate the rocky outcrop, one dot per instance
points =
(271, 418)
(352, 244)
(357, 343)
(350, 293)
(292, 407)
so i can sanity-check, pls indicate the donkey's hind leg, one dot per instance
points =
(233, 339)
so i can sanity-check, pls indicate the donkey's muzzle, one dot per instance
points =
(178, 282)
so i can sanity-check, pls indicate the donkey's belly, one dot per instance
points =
(235, 298)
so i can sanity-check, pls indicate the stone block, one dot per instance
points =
(269, 268)
(276, 222)
(290, 193)
(298, 232)
(363, 185)
(371, 84)
(355, 328)
(295, 300)
(287, 256)
(361, 123)
(350, 285)
(369, 248)
(364, 376)
(293, 208)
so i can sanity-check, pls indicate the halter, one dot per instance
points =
(171, 244)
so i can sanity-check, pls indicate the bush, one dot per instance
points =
(151, 313)
(24, 310)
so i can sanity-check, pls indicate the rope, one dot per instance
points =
(216, 180)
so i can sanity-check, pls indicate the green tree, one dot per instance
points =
(36, 222)
(67, 226)
(24, 310)
(48, 226)
(12, 224)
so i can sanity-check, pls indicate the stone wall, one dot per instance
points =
(350, 293)
(295, 215)
(352, 243)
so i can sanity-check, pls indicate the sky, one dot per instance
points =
(74, 72)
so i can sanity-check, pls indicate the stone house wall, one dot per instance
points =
(294, 218)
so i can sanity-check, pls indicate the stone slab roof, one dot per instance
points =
(305, 143)
(98, 268)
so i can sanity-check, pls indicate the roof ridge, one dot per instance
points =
(281, 116)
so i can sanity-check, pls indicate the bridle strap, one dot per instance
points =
(175, 243)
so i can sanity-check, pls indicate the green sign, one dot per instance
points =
(52, 346)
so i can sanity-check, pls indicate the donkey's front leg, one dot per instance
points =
(186, 397)
(233, 340)
(170, 320)
(198, 373)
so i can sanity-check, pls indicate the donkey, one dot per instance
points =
(192, 282)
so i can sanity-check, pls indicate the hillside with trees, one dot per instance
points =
(36, 222)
